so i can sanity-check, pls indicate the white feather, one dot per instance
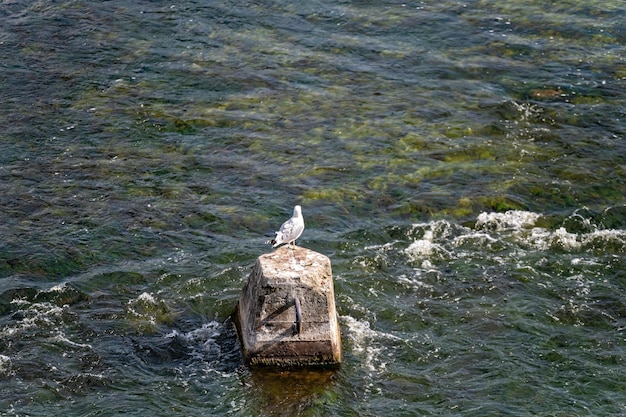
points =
(290, 230)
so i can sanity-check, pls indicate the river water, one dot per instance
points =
(463, 165)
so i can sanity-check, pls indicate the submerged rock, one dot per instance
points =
(286, 313)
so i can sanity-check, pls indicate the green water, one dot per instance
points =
(463, 165)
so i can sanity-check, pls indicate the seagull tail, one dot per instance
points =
(278, 239)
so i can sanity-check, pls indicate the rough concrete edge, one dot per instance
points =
(283, 363)
(249, 359)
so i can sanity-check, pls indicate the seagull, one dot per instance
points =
(290, 230)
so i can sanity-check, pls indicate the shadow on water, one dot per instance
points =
(291, 392)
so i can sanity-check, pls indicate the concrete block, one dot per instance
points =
(286, 313)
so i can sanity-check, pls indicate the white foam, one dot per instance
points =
(384, 246)
(59, 287)
(561, 239)
(145, 308)
(614, 236)
(427, 265)
(46, 315)
(520, 226)
(415, 282)
(62, 339)
(203, 337)
(422, 249)
(512, 219)
(582, 283)
(474, 238)
(146, 298)
(367, 342)
(20, 302)
(6, 366)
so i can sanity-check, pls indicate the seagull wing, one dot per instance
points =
(289, 231)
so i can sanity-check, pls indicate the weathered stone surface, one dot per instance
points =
(286, 313)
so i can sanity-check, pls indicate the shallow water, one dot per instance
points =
(462, 164)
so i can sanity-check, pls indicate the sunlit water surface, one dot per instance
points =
(463, 165)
